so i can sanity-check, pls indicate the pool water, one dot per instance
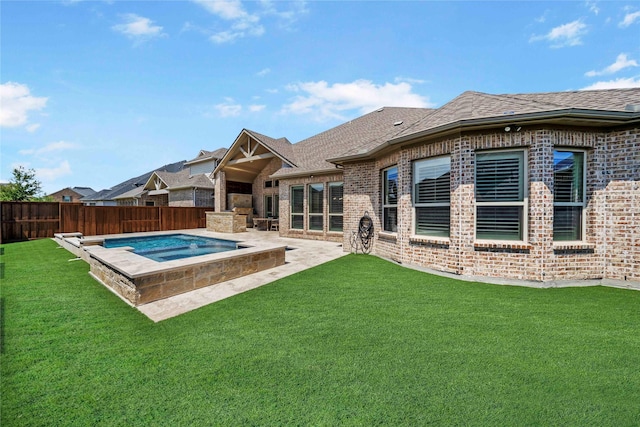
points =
(172, 246)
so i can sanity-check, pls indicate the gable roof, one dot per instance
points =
(183, 179)
(205, 155)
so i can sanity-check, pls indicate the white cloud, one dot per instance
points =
(287, 17)
(51, 174)
(15, 103)
(593, 7)
(32, 127)
(263, 72)
(629, 19)
(138, 28)
(326, 101)
(49, 148)
(621, 63)
(228, 108)
(621, 83)
(243, 24)
(256, 108)
(409, 80)
(564, 35)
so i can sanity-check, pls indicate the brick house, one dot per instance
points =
(541, 186)
(190, 186)
(72, 194)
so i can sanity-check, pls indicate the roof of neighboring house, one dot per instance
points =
(183, 179)
(130, 184)
(81, 191)
(208, 155)
(374, 128)
(131, 194)
(84, 191)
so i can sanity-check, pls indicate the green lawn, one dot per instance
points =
(358, 341)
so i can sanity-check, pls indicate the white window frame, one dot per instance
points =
(583, 203)
(417, 205)
(524, 203)
(386, 205)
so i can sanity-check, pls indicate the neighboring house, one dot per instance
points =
(72, 194)
(190, 186)
(108, 197)
(542, 186)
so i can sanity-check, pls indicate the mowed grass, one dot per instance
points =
(357, 341)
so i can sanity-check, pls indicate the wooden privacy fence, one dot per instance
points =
(38, 220)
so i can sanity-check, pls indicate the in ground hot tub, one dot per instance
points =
(139, 278)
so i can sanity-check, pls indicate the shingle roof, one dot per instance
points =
(184, 179)
(281, 146)
(84, 191)
(476, 105)
(130, 184)
(205, 155)
(374, 128)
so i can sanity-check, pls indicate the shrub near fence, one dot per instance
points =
(37, 220)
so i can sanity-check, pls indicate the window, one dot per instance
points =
(271, 205)
(335, 206)
(316, 206)
(568, 194)
(268, 184)
(297, 207)
(432, 196)
(500, 195)
(390, 199)
(66, 198)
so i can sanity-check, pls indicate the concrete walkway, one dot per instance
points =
(302, 254)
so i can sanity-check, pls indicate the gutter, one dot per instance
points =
(604, 117)
(306, 173)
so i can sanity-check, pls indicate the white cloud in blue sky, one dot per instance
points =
(326, 101)
(629, 19)
(16, 102)
(565, 35)
(622, 62)
(138, 28)
(142, 84)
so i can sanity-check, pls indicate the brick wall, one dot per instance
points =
(611, 247)
(285, 209)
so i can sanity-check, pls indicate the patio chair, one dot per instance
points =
(275, 225)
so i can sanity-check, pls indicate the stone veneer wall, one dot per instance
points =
(226, 222)
(611, 247)
(164, 284)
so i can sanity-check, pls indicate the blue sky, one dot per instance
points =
(95, 92)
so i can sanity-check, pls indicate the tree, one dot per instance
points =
(23, 187)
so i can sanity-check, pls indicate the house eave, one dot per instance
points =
(305, 174)
(575, 117)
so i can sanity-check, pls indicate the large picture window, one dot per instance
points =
(335, 206)
(297, 207)
(568, 194)
(500, 195)
(316, 206)
(432, 196)
(390, 199)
